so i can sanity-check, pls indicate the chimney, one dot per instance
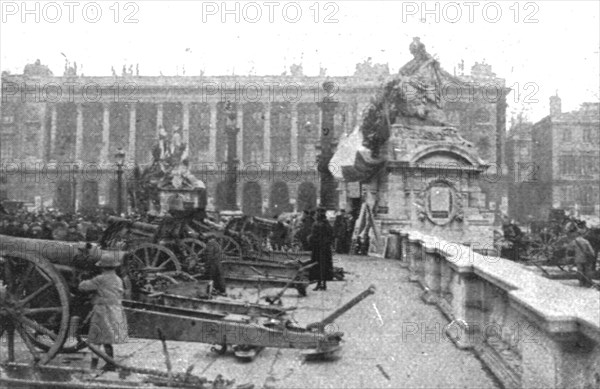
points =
(555, 105)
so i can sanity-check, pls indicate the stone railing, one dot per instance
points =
(530, 331)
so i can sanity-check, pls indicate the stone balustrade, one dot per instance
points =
(531, 332)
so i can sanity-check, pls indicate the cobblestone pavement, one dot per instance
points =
(392, 340)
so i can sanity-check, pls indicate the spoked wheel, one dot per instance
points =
(150, 257)
(193, 246)
(34, 302)
(252, 244)
(231, 248)
(193, 250)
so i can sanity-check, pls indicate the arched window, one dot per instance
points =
(279, 201)
(252, 199)
(307, 196)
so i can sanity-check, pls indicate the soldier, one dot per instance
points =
(108, 323)
(304, 230)
(213, 255)
(321, 239)
(580, 252)
(340, 228)
(278, 235)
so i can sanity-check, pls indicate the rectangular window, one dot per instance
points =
(566, 136)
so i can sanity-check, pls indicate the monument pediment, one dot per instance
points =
(432, 145)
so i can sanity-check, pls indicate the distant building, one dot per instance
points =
(566, 155)
(87, 120)
(522, 170)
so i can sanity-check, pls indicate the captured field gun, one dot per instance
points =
(40, 302)
(184, 251)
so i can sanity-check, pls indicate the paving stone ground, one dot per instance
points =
(391, 340)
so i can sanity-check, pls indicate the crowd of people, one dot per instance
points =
(53, 225)
(295, 229)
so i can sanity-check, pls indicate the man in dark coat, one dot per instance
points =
(278, 235)
(340, 228)
(304, 232)
(320, 240)
(213, 254)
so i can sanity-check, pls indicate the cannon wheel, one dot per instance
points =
(35, 301)
(231, 248)
(194, 246)
(155, 257)
(252, 243)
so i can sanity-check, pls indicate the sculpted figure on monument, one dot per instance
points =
(412, 99)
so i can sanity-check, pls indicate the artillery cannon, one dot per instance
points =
(157, 246)
(40, 302)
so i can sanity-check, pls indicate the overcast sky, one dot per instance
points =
(557, 50)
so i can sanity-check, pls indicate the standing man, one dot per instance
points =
(305, 228)
(278, 235)
(321, 240)
(340, 228)
(213, 254)
(580, 252)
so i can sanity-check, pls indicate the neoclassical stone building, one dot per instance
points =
(59, 134)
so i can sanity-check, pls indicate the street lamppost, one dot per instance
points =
(231, 130)
(120, 161)
(328, 186)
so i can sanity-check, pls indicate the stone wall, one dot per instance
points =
(531, 332)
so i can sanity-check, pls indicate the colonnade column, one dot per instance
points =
(240, 136)
(79, 133)
(267, 134)
(132, 133)
(186, 123)
(105, 134)
(212, 142)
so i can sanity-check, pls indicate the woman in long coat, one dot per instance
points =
(321, 239)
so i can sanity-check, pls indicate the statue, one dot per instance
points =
(412, 99)
(169, 170)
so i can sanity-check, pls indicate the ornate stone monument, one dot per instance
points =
(417, 172)
(169, 177)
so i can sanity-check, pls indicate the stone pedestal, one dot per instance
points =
(192, 198)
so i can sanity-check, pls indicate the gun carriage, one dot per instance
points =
(545, 246)
(40, 301)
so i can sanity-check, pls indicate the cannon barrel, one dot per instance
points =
(344, 308)
(55, 251)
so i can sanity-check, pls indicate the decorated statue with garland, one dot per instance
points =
(413, 97)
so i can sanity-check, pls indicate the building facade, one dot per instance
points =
(519, 156)
(566, 155)
(59, 134)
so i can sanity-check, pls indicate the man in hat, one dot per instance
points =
(581, 253)
(213, 255)
(321, 239)
(108, 323)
